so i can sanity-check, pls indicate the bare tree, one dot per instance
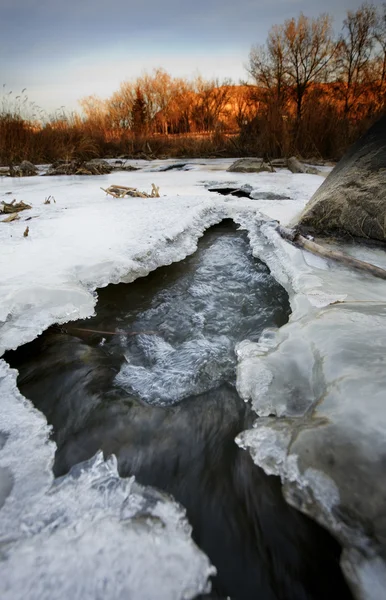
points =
(355, 54)
(296, 55)
(380, 38)
(309, 47)
(267, 66)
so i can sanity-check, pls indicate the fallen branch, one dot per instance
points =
(349, 261)
(120, 191)
(13, 207)
(12, 217)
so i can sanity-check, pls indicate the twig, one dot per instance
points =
(113, 332)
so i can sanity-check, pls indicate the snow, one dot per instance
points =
(317, 383)
(87, 240)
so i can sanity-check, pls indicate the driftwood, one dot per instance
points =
(12, 217)
(349, 261)
(13, 207)
(120, 191)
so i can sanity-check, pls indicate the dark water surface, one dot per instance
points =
(156, 388)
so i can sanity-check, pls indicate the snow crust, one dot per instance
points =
(317, 384)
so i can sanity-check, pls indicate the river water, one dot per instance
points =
(151, 378)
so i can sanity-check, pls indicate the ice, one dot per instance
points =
(90, 534)
(318, 383)
(93, 534)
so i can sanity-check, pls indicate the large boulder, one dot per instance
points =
(251, 165)
(352, 199)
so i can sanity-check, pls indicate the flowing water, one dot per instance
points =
(151, 378)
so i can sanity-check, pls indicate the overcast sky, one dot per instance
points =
(64, 50)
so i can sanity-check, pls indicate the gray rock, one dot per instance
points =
(352, 199)
(251, 165)
(26, 169)
(295, 166)
(4, 171)
(91, 167)
(98, 166)
(268, 196)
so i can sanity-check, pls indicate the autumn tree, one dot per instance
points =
(139, 113)
(120, 106)
(211, 98)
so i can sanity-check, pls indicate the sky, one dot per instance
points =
(64, 50)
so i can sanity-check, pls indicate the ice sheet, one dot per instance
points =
(94, 534)
(319, 385)
(90, 534)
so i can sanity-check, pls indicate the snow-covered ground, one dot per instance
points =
(322, 376)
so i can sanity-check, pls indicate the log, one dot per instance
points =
(349, 261)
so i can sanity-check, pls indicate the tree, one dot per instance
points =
(296, 55)
(355, 54)
(139, 112)
(211, 99)
(267, 66)
(380, 60)
(309, 48)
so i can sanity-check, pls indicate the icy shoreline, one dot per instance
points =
(86, 241)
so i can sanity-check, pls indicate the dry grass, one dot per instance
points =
(274, 133)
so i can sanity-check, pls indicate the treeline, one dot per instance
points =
(310, 93)
(160, 104)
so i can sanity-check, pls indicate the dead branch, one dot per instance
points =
(349, 261)
(13, 207)
(120, 191)
(12, 217)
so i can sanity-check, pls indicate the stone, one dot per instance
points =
(295, 166)
(91, 167)
(352, 200)
(99, 165)
(251, 165)
(26, 169)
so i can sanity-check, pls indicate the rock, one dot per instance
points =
(295, 166)
(268, 196)
(128, 168)
(251, 165)
(91, 167)
(4, 171)
(98, 166)
(25, 169)
(243, 191)
(352, 199)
